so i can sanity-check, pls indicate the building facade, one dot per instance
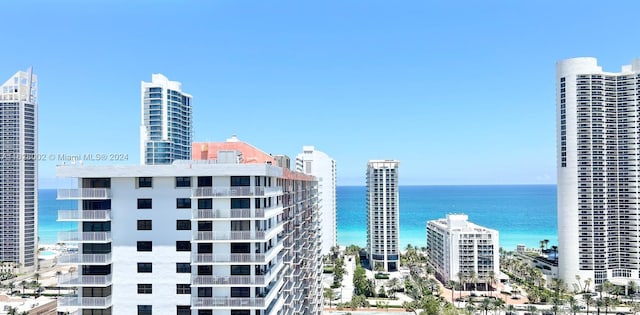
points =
(19, 170)
(597, 153)
(197, 237)
(383, 215)
(323, 167)
(460, 250)
(166, 129)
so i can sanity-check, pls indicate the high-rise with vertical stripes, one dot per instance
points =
(383, 215)
(166, 130)
(19, 170)
(598, 171)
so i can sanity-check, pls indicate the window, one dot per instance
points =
(205, 203)
(144, 225)
(240, 292)
(240, 203)
(183, 225)
(206, 292)
(183, 288)
(204, 270)
(240, 181)
(183, 181)
(205, 181)
(145, 182)
(144, 267)
(144, 288)
(144, 203)
(144, 310)
(205, 248)
(183, 203)
(183, 268)
(240, 248)
(240, 270)
(205, 312)
(183, 310)
(144, 246)
(183, 246)
(240, 312)
(205, 226)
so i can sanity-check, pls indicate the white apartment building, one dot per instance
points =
(166, 129)
(194, 237)
(598, 168)
(383, 215)
(457, 247)
(323, 167)
(19, 170)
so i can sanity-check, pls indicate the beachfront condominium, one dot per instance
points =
(598, 169)
(166, 128)
(226, 233)
(383, 219)
(461, 251)
(323, 167)
(19, 170)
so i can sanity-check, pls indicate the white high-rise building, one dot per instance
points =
(19, 170)
(323, 167)
(457, 247)
(225, 236)
(383, 215)
(166, 130)
(598, 169)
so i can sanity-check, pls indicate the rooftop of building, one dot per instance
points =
(460, 223)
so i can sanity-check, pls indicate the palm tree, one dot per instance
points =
(633, 287)
(588, 299)
(37, 276)
(573, 305)
(511, 309)
(58, 274)
(532, 309)
(11, 286)
(635, 308)
(12, 311)
(498, 304)
(328, 294)
(23, 284)
(474, 279)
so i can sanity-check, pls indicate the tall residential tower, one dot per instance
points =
(598, 169)
(323, 167)
(383, 220)
(19, 170)
(166, 130)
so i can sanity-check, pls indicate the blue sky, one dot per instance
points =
(461, 92)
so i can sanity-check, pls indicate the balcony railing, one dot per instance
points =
(237, 235)
(235, 213)
(226, 302)
(236, 191)
(73, 279)
(86, 302)
(258, 280)
(84, 237)
(84, 259)
(81, 215)
(237, 258)
(84, 193)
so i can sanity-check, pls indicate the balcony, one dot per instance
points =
(84, 193)
(84, 215)
(238, 235)
(226, 302)
(236, 213)
(84, 302)
(236, 191)
(84, 259)
(256, 280)
(76, 280)
(85, 237)
(237, 258)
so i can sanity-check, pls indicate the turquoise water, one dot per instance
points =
(523, 214)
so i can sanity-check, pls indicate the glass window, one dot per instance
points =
(144, 310)
(240, 270)
(206, 292)
(183, 246)
(182, 225)
(144, 288)
(240, 292)
(183, 288)
(183, 267)
(145, 246)
(205, 203)
(144, 225)
(205, 226)
(145, 182)
(144, 203)
(204, 270)
(205, 181)
(145, 267)
(206, 248)
(183, 181)
(183, 203)
(240, 248)
(240, 181)
(183, 310)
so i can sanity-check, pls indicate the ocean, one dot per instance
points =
(522, 214)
